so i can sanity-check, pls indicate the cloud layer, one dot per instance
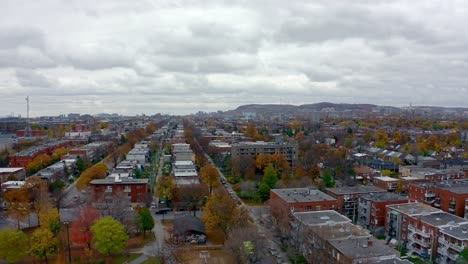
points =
(181, 56)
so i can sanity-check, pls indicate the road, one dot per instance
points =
(260, 215)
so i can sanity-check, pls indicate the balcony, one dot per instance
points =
(456, 247)
(422, 242)
(443, 242)
(429, 195)
(452, 256)
(451, 210)
(442, 251)
(437, 203)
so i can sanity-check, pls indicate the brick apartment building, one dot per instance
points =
(451, 241)
(301, 200)
(112, 186)
(347, 198)
(371, 210)
(449, 196)
(22, 158)
(329, 237)
(391, 184)
(288, 149)
(430, 174)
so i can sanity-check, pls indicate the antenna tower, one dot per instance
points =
(27, 132)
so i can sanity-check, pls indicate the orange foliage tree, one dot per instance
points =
(97, 171)
(81, 229)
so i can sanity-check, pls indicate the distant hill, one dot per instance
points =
(291, 109)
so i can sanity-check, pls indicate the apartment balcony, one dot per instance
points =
(456, 247)
(437, 203)
(451, 209)
(442, 251)
(420, 232)
(429, 195)
(452, 256)
(443, 242)
(417, 250)
(422, 242)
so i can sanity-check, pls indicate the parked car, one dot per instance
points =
(163, 210)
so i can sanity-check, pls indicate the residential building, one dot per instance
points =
(288, 149)
(391, 184)
(104, 190)
(12, 173)
(347, 198)
(23, 158)
(449, 196)
(371, 210)
(430, 174)
(300, 200)
(328, 237)
(453, 238)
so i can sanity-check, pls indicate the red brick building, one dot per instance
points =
(347, 198)
(449, 196)
(391, 184)
(22, 158)
(371, 210)
(32, 133)
(103, 190)
(417, 226)
(301, 200)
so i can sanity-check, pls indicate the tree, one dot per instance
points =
(165, 187)
(80, 164)
(109, 235)
(98, 171)
(210, 176)
(50, 219)
(43, 243)
(246, 245)
(18, 205)
(222, 213)
(327, 179)
(314, 172)
(146, 220)
(13, 245)
(268, 182)
(81, 229)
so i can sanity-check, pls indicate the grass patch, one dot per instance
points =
(151, 261)
(120, 259)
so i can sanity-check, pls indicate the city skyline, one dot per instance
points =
(180, 57)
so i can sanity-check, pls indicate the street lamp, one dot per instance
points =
(68, 240)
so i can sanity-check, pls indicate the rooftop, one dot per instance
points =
(454, 186)
(328, 217)
(458, 231)
(301, 195)
(355, 190)
(442, 219)
(383, 197)
(363, 248)
(414, 209)
(123, 180)
(10, 170)
(385, 178)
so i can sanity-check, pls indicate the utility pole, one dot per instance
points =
(68, 240)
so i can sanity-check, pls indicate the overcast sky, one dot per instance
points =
(175, 56)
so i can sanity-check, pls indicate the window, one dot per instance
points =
(108, 188)
(308, 207)
(317, 207)
(127, 188)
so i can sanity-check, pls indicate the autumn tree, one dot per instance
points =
(243, 166)
(210, 176)
(81, 228)
(43, 244)
(98, 171)
(314, 172)
(165, 187)
(13, 245)
(245, 244)
(18, 205)
(38, 163)
(251, 131)
(109, 235)
(146, 220)
(58, 154)
(222, 213)
(50, 218)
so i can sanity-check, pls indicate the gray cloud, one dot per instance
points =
(182, 56)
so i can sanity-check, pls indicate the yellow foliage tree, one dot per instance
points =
(98, 171)
(210, 176)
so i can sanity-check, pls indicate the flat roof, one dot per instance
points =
(327, 217)
(10, 170)
(454, 186)
(458, 231)
(414, 208)
(442, 219)
(123, 180)
(301, 195)
(363, 248)
(382, 197)
(355, 189)
(385, 178)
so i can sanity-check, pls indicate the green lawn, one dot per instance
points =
(151, 261)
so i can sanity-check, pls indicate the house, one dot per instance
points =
(12, 174)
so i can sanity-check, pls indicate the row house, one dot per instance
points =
(371, 210)
(23, 158)
(449, 196)
(300, 200)
(348, 198)
(15, 174)
(430, 174)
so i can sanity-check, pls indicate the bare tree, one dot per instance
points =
(246, 245)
